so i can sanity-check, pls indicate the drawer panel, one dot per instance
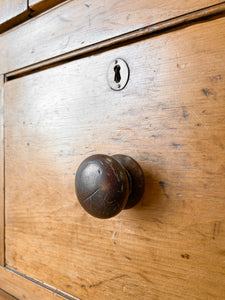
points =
(11, 11)
(6, 296)
(80, 23)
(170, 118)
(38, 6)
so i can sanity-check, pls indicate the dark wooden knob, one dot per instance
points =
(107, 184)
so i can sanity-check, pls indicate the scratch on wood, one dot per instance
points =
(144, 277)
(127, 257)
(113, 235)
(216, 229)
(162, 184)
(103, 281)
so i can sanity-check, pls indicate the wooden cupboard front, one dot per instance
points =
(170, 118)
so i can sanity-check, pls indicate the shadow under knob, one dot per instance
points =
(107, 184)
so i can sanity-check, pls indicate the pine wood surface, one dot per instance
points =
(80, 23)
(24, 289)
(2, 210)
(11, 8)
(6, 296)
(170, 118)
(206, 14)
(12, 12)
(38, 6)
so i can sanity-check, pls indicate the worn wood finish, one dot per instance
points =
(170, 118)
(188, 19)
(6, 296)
(38, 6)
(12, 12)
(80, 23)
(25, 289)
(2, 212)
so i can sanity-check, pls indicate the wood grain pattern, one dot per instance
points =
(38, 6)
(81, 23)
(6, 296)
(25, 289)
(188, 19)
(170, 118)
(2, 200)
(12, 12)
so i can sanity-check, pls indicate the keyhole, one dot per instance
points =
(117, 76)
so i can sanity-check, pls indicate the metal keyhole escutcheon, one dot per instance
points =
(118, 74)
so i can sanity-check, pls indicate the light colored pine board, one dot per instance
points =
(170, 118)
(23, 288)
(2, 211)
(38, 6)
(81, 23)
(12, 12)
(6, 296)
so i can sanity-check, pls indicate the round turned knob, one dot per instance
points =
(107, 184)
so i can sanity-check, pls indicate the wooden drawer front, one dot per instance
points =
(38, 6)
(10, 10)
(5, 296)
(80, 23)
(170, 118)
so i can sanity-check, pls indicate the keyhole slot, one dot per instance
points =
(117, 76)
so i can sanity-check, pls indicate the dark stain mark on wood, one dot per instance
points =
(178, 146)
(127, 257)
(28, 144)
(155, 136)
(83, 286)
(206, 92)
(198, 124)
(216, 229)
(116, 139)
(162, 184)
(187, 256)
(69, 286)
(216, 78)
(185, 112)
(128, 16)
(144, 159)
(222, 252)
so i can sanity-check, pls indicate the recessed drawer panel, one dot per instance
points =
(170, 118)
